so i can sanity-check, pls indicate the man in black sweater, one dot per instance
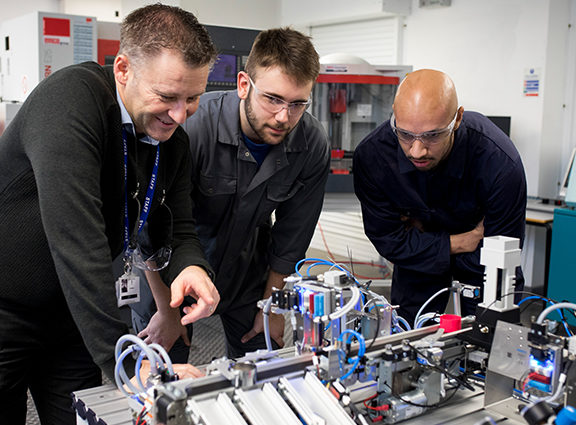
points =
(93, 155)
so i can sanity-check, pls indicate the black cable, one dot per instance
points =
(561, 311)
(571, 311)
(567, 367)
(503, 296)
(525, 304)
(548, 301)
(564, 321)
(140, 419)
(356, 413)
(351, 262)
(445, 371)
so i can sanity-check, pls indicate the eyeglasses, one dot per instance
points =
(274, 105)
(428, 138)
(137, 254)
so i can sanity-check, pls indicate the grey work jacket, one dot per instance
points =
(234, 199)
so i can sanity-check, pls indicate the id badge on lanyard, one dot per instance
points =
(128, 288)
(128, 285)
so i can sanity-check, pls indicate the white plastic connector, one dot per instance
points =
(334, 277)
(499, 253)
(572, 345)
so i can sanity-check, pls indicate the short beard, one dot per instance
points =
(252, 121)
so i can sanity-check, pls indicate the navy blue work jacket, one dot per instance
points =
(482, 178)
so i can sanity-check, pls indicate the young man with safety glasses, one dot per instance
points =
(432, 182)
(255, 152)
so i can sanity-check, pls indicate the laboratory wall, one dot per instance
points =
(254, 14)
(303, 13)
(103, 10)
(258, 14)
(489, 48)
(14, 9)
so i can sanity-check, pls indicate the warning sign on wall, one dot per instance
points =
(532, 82)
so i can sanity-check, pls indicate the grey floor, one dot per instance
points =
(207, 342)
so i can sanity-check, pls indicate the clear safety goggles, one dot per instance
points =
(274, 104)
(428, 138)
(137, 256)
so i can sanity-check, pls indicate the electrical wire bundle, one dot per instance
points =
(339, 313)
(396, 319)
(321, 262)
(554, 399)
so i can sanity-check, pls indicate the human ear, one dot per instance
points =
(243, 84)
(121, 69)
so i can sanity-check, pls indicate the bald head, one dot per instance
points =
(426, 99)
(426, 114)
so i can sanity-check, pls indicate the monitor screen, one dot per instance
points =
(503, 123)
(224, 70)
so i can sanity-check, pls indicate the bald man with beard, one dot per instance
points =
(433, 181)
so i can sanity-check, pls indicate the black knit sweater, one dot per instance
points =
(62, 204)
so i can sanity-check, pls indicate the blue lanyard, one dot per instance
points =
(149, 192)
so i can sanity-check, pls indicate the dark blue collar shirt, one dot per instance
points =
(481, 178)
